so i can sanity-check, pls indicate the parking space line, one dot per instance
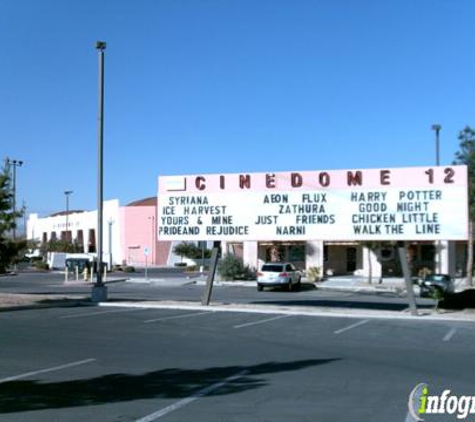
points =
(188, 315)
(350, 327)
(450, 334)
(181, 403)
(84, 315)
(43, 371)
(261, 321)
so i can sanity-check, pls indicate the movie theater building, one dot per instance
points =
(344, 222)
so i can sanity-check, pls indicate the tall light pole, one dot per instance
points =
(15, 164)
(99, 291)
(67, 193)
(436, 127)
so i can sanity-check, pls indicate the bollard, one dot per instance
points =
(105, 272)
(77, 273)
(66, 275)
(85, 274)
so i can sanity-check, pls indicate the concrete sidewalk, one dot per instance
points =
(360, 284)
(341, 283)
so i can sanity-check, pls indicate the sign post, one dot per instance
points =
(402, 249)
(210, 280)
(145, 252)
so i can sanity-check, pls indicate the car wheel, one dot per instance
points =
(259, 288)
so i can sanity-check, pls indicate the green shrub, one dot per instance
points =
(129, 269)
(232, 268)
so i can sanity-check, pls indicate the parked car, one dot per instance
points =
(436, 284)
(279, 274)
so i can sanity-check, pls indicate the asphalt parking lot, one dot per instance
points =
(127, 364)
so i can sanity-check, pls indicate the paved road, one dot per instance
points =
(173, 287)
(121, 364)
(116, 364)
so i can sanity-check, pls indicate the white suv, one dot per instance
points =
(279, 274)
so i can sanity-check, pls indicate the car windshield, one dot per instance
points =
(273, 268)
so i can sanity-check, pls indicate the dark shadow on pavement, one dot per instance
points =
(337, 303)
(174, 383)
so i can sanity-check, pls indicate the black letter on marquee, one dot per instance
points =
(296, 180)
(355, 179)
(199, 183)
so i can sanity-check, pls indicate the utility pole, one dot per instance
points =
(67, 193)
(436, 127)
(15, 164)
(152, 218)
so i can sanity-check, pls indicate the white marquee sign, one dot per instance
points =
(416, 203)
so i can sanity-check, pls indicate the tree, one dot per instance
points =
(61, 245)
(190, 250)
(9, 248)
(466, 155)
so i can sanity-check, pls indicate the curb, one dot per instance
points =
(315, 312)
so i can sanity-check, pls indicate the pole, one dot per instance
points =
(99, 292)
(14, 200)
(209, 282)
(436, 127)
(67, 193)
(110, 243)
(146, 268)
(15, 164)
(152, 219)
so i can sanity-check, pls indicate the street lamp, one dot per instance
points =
(436, 127)
(99, 291)
(15, 164)
(67, 193)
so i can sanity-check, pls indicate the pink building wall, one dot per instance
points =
(139, 232)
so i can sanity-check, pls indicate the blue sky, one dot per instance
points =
(215, 86)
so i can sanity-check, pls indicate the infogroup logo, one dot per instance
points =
(421, 404)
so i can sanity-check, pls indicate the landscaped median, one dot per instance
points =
(11, 301)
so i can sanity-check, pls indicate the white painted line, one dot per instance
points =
(450, 334)
(262, 321)
(315, 312)
(181, 403)
(189, 315)
(84, 315)
(43, 371)
(350, 327)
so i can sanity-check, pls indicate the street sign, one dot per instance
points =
(146, 251)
